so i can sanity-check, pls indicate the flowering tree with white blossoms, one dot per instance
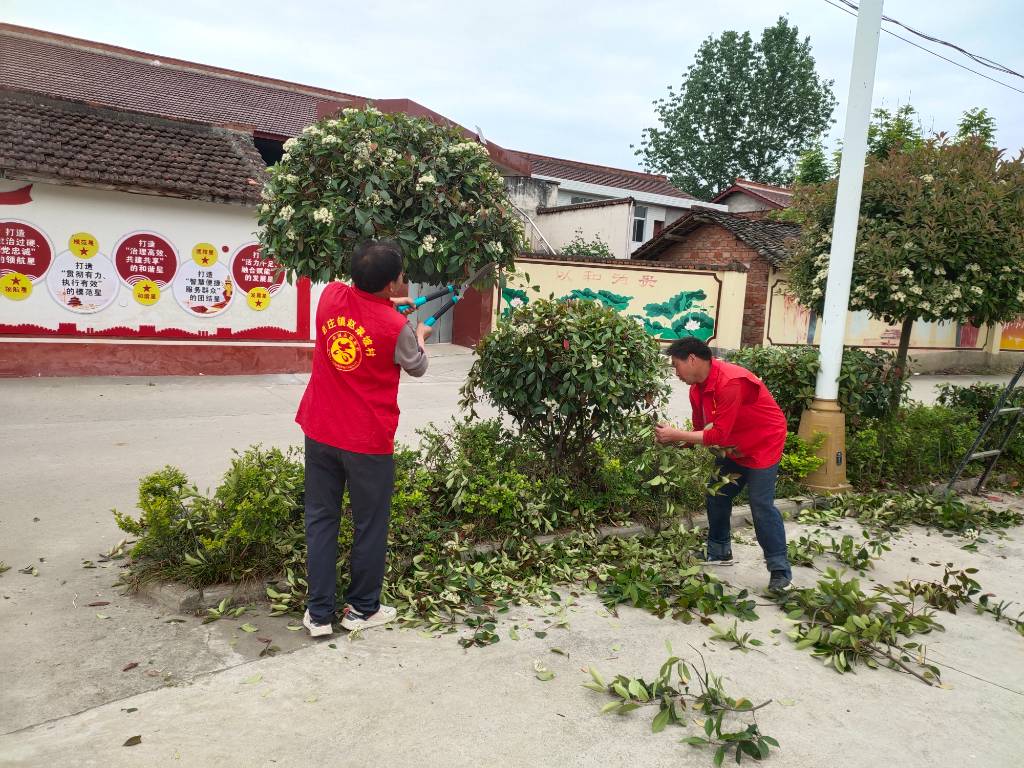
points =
(940, 237)
(366, 174)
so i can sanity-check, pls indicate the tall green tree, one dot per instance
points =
(743, 109)
(940, 237)
(977, 122)
(812, 167)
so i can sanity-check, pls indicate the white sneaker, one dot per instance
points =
(316, 630)
(353, 620)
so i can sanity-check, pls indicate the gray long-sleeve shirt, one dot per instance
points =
(408, 354)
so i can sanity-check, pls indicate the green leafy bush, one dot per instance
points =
(567, 373)
(367, 174)
(254, 517)
(867, 380)
(920, 444)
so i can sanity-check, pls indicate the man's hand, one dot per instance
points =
(665, 433)
(403, 304)
(423, 333)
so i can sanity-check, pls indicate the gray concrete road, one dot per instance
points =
(75, 448)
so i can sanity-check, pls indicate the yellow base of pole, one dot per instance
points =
(825, 416)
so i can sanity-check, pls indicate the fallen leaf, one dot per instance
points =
(130, 665)
(132, 741)
(153, 672)
(252, 680)
(97, 604)
(264, 639)
(332, 645)
(617, 647)
(130, 709)
(542, 673)
(541, 635)
(293, 627)
(175, 621)
(247, 627)
(560, 652)
(787, 702)
(102, 616)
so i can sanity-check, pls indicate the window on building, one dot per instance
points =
(271, 150)
(658, 226)
(639, 223)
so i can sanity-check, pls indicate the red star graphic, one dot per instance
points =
(206, 259)
(259, 303)
(85, 251)
(15, 281)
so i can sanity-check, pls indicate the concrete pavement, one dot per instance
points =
(74, 448)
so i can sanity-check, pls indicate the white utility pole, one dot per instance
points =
(824, 414)
(851, 181)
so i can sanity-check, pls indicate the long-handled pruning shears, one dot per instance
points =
(453, 292)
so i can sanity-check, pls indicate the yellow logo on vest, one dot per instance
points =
(344, 349)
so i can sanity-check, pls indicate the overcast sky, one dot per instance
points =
(569, 79)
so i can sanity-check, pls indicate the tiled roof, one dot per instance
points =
(776, 197)
(599, 174)
(74, 143)
(767, 237)
(81, 70)
(584, 206)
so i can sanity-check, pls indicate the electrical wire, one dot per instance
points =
(933, 53)
(985, 62)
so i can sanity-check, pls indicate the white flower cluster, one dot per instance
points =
(286, 213)
(595, 361)
(374, 199)
(428, 243)
(495, 247)
(290, 234)
(927, 178)
(427, 179)
(290, 144)
(312, 130)
(466, 148)
(323, 215)
(331, 139)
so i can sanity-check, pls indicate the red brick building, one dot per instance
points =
(709, 239)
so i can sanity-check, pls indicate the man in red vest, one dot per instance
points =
(349, 414)
(734, 410)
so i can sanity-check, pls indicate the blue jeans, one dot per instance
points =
(768, 525)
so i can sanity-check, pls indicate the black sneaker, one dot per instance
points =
(720, 561)
(779, 581)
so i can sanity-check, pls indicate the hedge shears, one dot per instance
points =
(453, 292)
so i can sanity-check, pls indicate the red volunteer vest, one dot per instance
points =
(351, 401)
(747, 418)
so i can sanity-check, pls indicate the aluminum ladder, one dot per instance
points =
(992, 456)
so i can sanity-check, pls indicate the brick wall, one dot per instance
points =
(711, 246)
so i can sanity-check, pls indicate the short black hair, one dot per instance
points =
(375, 264)
(683, 348)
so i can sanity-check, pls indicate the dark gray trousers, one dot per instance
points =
(371, 480)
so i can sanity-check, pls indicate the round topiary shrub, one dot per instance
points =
(567, 372)
(366, 174)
